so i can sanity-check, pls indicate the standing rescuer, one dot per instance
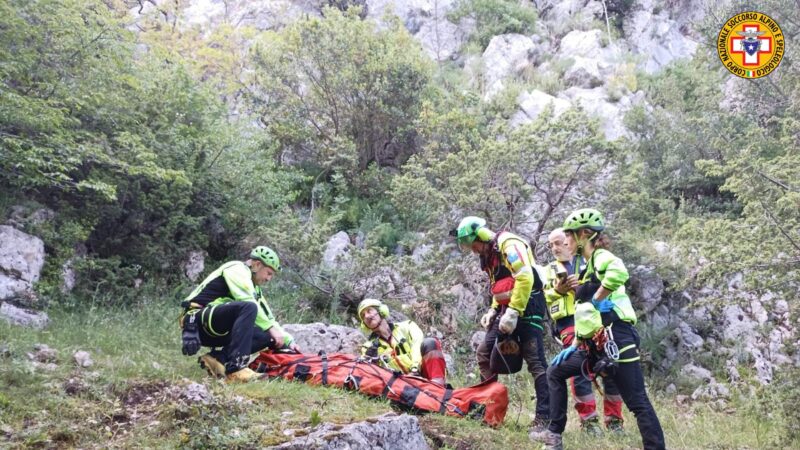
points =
(400, 346)
(228, 310)
(561, 282)
(606, 343)
(517, 303)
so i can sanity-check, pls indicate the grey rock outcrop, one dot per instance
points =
(336, 250)
(427, 21)
(23, 317)
(21, 217)
(314, 337)
(195, 264)
(696, 373)
(711, 391)
(658, 38)
(476, 340)
(260, 14)
(584, 73)
(534, 103)
(389, 432)
(83, 359)
(596, 103)
(646, 288)
(21, 261)
(505, 56)
(689, 340)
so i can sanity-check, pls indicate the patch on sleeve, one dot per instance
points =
(512, 258)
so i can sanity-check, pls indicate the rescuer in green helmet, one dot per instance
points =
(228, 310)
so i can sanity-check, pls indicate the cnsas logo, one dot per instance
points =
(750, 45)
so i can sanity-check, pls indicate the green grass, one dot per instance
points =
(126, 399)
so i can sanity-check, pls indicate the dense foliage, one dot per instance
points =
(714, 170)
(154, 143)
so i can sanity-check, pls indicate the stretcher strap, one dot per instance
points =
(388, 387)
(447, 394)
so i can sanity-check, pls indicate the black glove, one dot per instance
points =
(191, 335)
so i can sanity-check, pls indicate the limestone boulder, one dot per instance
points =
(646, 288)
(316, 337)
(658, 39)
(584, 73)
(195, 264)
(208, 14)
(337, 250)
(427, 21)
(597, 103)
(21, 261)
(504, 57)
(388, 431)
(23, 317)
(697, 373)
(532, 104)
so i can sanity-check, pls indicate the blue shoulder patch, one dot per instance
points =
(512, 258)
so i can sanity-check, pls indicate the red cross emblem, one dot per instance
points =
(751, 48)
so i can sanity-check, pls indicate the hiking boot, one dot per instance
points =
(538, 425)
(241, 376)
(212, 365)
(614, 425)
(551, 441)
(592, 427)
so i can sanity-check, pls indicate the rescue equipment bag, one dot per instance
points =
(486, 401)
(506, 356)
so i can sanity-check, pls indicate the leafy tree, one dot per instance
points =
(516, 179)
(339, 91)
(126, 145)
(720, 181)
(494, 17)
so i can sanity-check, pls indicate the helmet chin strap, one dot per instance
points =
(582, 243)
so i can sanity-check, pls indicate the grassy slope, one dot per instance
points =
(124, 400)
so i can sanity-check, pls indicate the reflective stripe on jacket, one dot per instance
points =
(516, 256)
(239, 281)
(611, 272)
(403, 352)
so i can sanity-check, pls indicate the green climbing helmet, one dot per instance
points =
(467, 231)
(585, 218)
(267, 256)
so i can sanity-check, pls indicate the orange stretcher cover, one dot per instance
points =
(487, 401)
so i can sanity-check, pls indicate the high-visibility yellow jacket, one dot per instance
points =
(402, 352)
(560, 306)
(232, 282)
(516, 256)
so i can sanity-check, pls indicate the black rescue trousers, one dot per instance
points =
(529, 330)
(628, 378)
(232, 326)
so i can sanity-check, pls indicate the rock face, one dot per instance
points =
(23, 317)
(313, 337)
(195, 264)
(658, 38)
(597, 103)
(427, 21)
(646, 288)
(534, 103)
(389, 432)
(503, 58)
(336, 250)
(260, 14)
(21, 261)
(477, 339)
